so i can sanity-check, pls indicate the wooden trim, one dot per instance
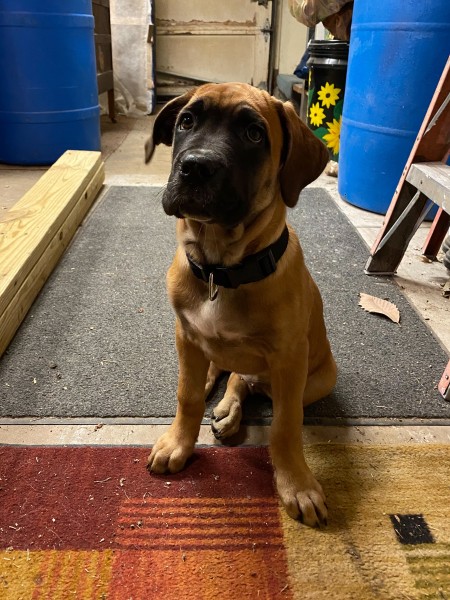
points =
(436, 235)
(213, 29)
(105, 81)
(37, 230)
(101, 3)
(102, 39)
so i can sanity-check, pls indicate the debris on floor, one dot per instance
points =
(376, 305)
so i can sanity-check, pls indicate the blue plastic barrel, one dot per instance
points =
(48, 82)
(397, 53)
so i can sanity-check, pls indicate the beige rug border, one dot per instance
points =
(111, 434)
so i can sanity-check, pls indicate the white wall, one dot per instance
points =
(293, 37)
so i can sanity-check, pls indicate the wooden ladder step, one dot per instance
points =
(433, 180)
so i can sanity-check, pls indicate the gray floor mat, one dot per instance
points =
(99, 341)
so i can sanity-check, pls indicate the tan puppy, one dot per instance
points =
(244, 299)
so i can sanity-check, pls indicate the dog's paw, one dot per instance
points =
(168, 455)
(303, 499)
(226, 418)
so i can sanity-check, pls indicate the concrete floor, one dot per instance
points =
(122, 148)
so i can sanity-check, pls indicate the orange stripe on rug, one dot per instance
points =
(224, 524)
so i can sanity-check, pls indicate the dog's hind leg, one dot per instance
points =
(227, 415)
(213, 374)
(321, 382)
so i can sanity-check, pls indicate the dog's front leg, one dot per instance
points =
(175, 446)
(300, 493)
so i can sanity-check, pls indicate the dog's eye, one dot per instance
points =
(186, 121)
(254, 133)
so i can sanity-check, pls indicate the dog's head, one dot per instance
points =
(235, 149)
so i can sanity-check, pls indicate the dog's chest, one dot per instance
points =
(212, 320)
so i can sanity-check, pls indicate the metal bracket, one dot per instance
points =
(266, 30)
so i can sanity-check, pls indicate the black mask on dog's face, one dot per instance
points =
(216, 160)
(217, 156)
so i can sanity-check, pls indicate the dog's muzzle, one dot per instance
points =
(200, 187)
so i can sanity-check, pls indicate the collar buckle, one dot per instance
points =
(267, 263)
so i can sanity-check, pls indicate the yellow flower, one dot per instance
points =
(316, 114)
(328, 95)
(333, 137)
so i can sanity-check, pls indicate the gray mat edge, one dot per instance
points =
(164, 421)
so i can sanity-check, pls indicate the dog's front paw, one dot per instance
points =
(169, 454)
(303, 498)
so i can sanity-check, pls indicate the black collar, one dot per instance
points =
(252, 268)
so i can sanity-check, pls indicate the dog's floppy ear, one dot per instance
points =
(304, 156)
(164, 124)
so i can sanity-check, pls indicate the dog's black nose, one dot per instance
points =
(198, 167)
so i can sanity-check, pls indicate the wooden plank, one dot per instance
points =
(436, 235)
(102, 38)
(105, 81)
(392, 247)
(100, 3)
(31, 224)
(433, 180)
(12, 316)
(299, 88)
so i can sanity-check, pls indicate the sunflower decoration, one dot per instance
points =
(325, 101)
(332, 138)
(328, 94)
(316, 114)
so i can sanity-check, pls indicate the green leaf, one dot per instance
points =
(320, 132)
(338, 109)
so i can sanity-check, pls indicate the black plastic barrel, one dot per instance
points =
(327, 72)
(48, 98)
